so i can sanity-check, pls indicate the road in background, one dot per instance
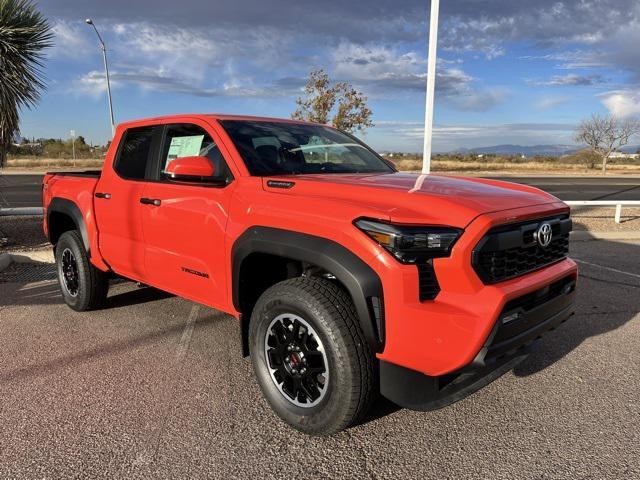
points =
(24, 190)
(583, 188)
(137, 390)
(20, 191)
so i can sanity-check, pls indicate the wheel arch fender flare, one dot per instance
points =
(361, 281)
(69, 208)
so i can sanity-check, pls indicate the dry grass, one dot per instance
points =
(449, 166)
(51, 163)
(601, 219)
(406, 165)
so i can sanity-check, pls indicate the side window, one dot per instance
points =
(186, 140)
(134, 153)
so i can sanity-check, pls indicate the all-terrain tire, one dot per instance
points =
(84, 287)
(327, 312)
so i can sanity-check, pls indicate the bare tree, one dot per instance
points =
(321, 98)
(604, 134)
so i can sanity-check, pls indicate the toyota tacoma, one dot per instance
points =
(348, 278)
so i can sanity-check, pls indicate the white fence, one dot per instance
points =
(606, 203)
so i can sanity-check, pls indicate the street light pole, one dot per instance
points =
(73, 146)
(431, 82)
(106, 71)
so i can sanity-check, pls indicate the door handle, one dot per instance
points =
(150, 201)
(106, 196)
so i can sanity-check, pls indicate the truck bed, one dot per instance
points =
(83, 173)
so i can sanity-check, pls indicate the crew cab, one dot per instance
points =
(347, 277)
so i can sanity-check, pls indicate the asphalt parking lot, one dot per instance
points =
(154, 387)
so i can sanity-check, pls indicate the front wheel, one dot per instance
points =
(83, 286)
(310, 356)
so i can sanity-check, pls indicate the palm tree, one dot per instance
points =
(24, 33)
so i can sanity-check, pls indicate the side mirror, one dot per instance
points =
(190, 167)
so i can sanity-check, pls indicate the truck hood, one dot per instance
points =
(410, 198)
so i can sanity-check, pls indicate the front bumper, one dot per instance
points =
(522, 321)
(441, 336)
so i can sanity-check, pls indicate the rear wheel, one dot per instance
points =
(83, 286)
(309, 355)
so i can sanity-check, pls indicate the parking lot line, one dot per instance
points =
(183, 345)
(606, 268)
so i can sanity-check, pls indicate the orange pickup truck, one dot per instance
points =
(347, 277)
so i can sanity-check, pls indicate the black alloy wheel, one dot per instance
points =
(70, 278)
(297, 360)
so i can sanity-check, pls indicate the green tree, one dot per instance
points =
(24, 33)
(321, 98)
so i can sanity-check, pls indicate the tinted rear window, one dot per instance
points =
(134, 153)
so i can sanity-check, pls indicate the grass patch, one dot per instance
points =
(47, 163)
(579, 163)
(408, 163)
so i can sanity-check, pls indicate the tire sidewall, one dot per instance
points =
(331, 408)
(70, 240)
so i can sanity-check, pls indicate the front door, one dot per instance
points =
(184, 223)
(117, 203)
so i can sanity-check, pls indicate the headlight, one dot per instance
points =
(410, 244)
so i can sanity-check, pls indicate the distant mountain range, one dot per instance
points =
(532, 151)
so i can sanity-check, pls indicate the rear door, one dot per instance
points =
(117, 201)
(184, 224)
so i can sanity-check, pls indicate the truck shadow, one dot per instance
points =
(134, 297)
(607, 298)
(47, 292)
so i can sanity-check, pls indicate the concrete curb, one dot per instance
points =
(21, 211)
(35, 256)
(585, 235)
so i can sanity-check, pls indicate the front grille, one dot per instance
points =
(428, 282)
(509, 251)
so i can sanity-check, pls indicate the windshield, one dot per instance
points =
(279, 148)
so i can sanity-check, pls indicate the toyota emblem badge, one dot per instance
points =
(544, 235)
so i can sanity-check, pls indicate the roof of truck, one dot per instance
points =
(208, 116)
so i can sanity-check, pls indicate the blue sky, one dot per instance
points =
(508, 71)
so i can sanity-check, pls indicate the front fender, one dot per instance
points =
(360, 280)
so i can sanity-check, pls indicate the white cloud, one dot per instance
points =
(387, 69)
(570, 79)
(360, 62)
(93, 83)
(480, 100)
(549, 103)
(622, 103)
(71, 40)
(476, 35)
(192, 61)
(392, 68)
(571, 60)
(178, 50)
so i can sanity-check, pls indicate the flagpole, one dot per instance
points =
(431, 83)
